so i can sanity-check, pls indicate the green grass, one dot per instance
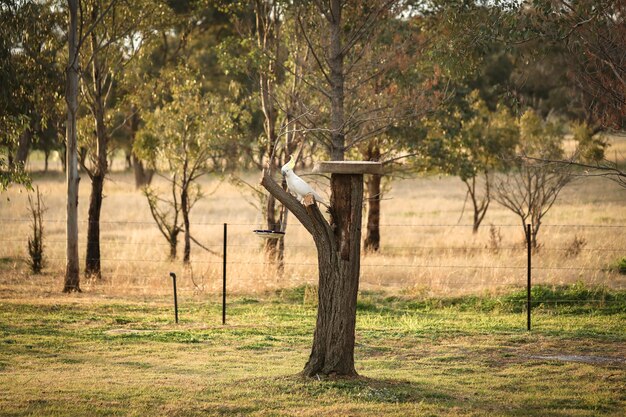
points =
(470, 356)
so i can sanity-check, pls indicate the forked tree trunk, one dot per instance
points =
(92, 261)
(480, 205)
(92, 258)
(372, 238)
(271, 245)
(339, 268)
(72, 278)
(274, 248)
(338, 246)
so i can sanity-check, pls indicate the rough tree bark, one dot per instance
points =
(92, 258)
(338, 248)
(372, 237)
(337, 80)
(71, 97)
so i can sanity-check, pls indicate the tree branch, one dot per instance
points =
(309, 216)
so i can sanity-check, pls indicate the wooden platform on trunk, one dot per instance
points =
(348, 167)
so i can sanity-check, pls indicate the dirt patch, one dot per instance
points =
(580, 358)
(114, 332)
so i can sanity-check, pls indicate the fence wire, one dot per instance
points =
(505, 265)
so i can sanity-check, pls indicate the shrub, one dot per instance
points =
(35, 242)
(620, 265)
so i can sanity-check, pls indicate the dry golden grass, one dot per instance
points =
(426, 247)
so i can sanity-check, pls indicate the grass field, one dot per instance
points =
(89, 355)
(427, 245)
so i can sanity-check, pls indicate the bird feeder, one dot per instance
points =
(268, 234)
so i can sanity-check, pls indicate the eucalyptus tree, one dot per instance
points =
(72, 79)
(592, 36)
(471, 141)
(184, 137)
(117, 32)
(530, 187)
(30, 75)
(282, 56)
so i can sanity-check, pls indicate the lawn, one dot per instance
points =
(441, 327)
(90, 354)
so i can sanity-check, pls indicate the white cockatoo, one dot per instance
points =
(296, 184)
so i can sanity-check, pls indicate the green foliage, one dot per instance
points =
(572, 298)
(190, 130)
(591, 147)
(31, 77)
(10, 172)
(469, 138)
(540, 138)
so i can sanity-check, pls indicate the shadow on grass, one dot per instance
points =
(346, 390)
(364, 389)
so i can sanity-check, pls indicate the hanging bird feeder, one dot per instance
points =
(268, 234)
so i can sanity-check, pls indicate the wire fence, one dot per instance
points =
(425, 259)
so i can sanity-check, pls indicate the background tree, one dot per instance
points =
(115, 37)
(30, 75)
(36, 208)
(530, 188)
(472, 142)
(72, 76)
(592, 35)
(186, 135)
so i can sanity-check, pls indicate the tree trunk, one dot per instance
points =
(173, 241)
(479, 207)
(143, 176)
(92, 262)
(339, 269)
(337, 78)
(338, 248)
(92, 258)
(271, 245)
(63, 157)
(72, 279)
(184, 206)
(372, 239)
(23, 146)
(46, 154)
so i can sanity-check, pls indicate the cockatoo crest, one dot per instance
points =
(289, 165)
(296, 184)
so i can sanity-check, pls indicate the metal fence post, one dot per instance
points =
(224, 274)
(173, 275)
(528, 284)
